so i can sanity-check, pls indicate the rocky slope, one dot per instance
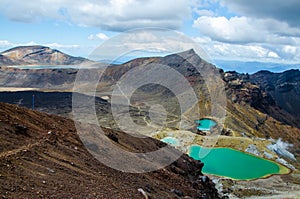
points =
(37, 55)
(6, 61)
(41, 78)
(283, 87)
(242, 90)
(253, 113)
(41, 156)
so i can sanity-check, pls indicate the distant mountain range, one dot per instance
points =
(42, 55)
(37, 55)
(253, 66)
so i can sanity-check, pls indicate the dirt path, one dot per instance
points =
(18, 150)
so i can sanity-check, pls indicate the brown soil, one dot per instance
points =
(41, 156)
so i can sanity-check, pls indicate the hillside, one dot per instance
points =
(42, 156)
(284, 88)
(37, 55)
(40, 78)
(6, 61)
(251, 109)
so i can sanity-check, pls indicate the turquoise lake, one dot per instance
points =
(205, 124)
(170, 140)
(232, 163)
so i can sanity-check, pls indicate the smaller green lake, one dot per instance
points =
(205, 124)
(232, 163)
(170, 140)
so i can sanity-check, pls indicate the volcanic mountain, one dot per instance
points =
(37, 55)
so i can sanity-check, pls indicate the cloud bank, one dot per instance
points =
(254, 30)
(113, 15)
(287, 11)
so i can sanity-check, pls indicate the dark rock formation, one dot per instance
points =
(284, 88)
(42, 78)
(259, 92)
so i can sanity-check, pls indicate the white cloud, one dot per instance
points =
(272, 55)
(62, 46)
(31, 43)
(249, 52)
(236, 29)
(204, 12)
(285, 11)
(158, 41)
(246, 30)
(290, 52)
(51, 45)
(100, 36)
(290, 49)
(5, 44)
(116, 15)
(251, 39)
(202, 40)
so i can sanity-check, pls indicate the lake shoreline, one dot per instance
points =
(282, 170)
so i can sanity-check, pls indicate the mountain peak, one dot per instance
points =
(187, 53)
(38, 55)
(32, 47)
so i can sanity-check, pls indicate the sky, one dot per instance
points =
(234, 30)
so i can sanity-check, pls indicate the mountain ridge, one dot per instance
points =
(252, 67)
(37, 55)
(282, 87)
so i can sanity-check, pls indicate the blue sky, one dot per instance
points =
(263, 31)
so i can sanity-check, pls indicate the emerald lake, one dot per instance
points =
(170, 140)
(232, 163)
(205, 124)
